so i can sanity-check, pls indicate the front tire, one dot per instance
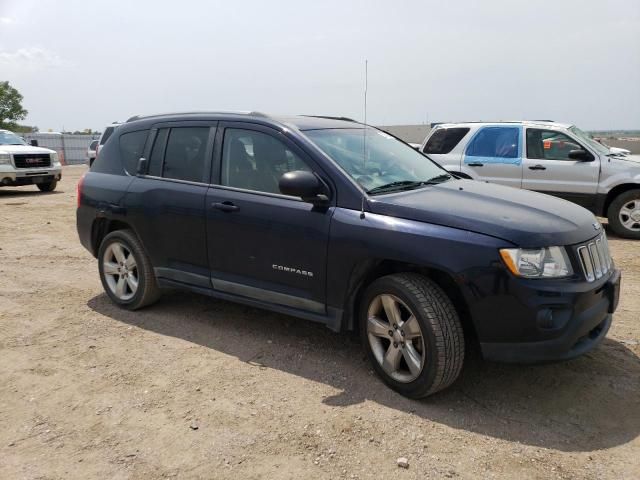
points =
(48, 187)
(412, 334)
(624, 214)
(126, 272)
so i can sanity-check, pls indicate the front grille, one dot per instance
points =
(31, 160)
(595, 258)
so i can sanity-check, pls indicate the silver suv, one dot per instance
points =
(548, 157)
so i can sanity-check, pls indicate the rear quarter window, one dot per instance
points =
(131, 149)
(105, 136)
(444, 140)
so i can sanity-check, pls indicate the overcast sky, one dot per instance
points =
(83, 64)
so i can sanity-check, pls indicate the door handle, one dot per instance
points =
(475, 164)
(225, 206)
(537, 167)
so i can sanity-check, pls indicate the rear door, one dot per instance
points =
(548, 168)
(167, 202)
(262, 244)
(494, 155)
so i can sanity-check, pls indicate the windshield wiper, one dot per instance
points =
(401, 185)
(438, 179)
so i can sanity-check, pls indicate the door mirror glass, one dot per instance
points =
(581, 155)
(34, 142)
(303, 184)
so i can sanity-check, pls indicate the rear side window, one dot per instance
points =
(495, 142)
(444, 140)
(184, 154)
(131, 148)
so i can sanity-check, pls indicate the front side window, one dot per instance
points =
(131, 148)
(184, 153)
(378, 162)
(495, 142)
(444, 140)
(254, 160)
(549, 145)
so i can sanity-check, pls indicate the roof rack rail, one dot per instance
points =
(194, 112)
(346, 119)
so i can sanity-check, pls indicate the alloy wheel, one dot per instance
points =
(395, 338)
(630, 215)
(120, 271)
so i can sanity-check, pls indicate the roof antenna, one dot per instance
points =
(364, 135)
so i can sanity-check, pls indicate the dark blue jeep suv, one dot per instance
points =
(340, 223)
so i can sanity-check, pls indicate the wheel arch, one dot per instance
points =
(101, 228)
(364, 275)
(614, 192)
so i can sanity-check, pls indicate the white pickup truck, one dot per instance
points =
(23, 164)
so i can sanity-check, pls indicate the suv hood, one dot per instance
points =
(23, 149)
(526, 219)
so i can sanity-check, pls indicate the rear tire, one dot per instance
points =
(624, 214)
(126, 272)
(48, 187)
(418, 347)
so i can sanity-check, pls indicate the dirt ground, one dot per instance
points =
(198, 388)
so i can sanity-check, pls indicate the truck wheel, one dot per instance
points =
(48, 187)
(624, 214)
(412, 334)
(126, 271)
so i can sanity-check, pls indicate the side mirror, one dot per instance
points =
(34, 142)
(142, 166)
(581, 155)
(305, 185)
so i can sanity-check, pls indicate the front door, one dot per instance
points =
(494, 155)
(548, 168)
(262, 244)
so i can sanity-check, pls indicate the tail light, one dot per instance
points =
(79, 190)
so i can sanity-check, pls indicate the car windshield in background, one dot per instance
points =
(587, 138)
(8, 138)
(389, 165)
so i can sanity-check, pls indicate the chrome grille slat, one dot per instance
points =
(595, 258)
(31, 160)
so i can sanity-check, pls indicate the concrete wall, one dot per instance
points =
(633, 145)
(408, 133)
(72, 149)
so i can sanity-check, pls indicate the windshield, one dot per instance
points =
(388, 165)
(598, 147)
(8, 138)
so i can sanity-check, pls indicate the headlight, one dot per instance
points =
(54, 159)
(5, 159)
(550, 262)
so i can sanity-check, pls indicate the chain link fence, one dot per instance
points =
(72, 149)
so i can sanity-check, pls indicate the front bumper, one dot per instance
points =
(566, 325)
(12, 177)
